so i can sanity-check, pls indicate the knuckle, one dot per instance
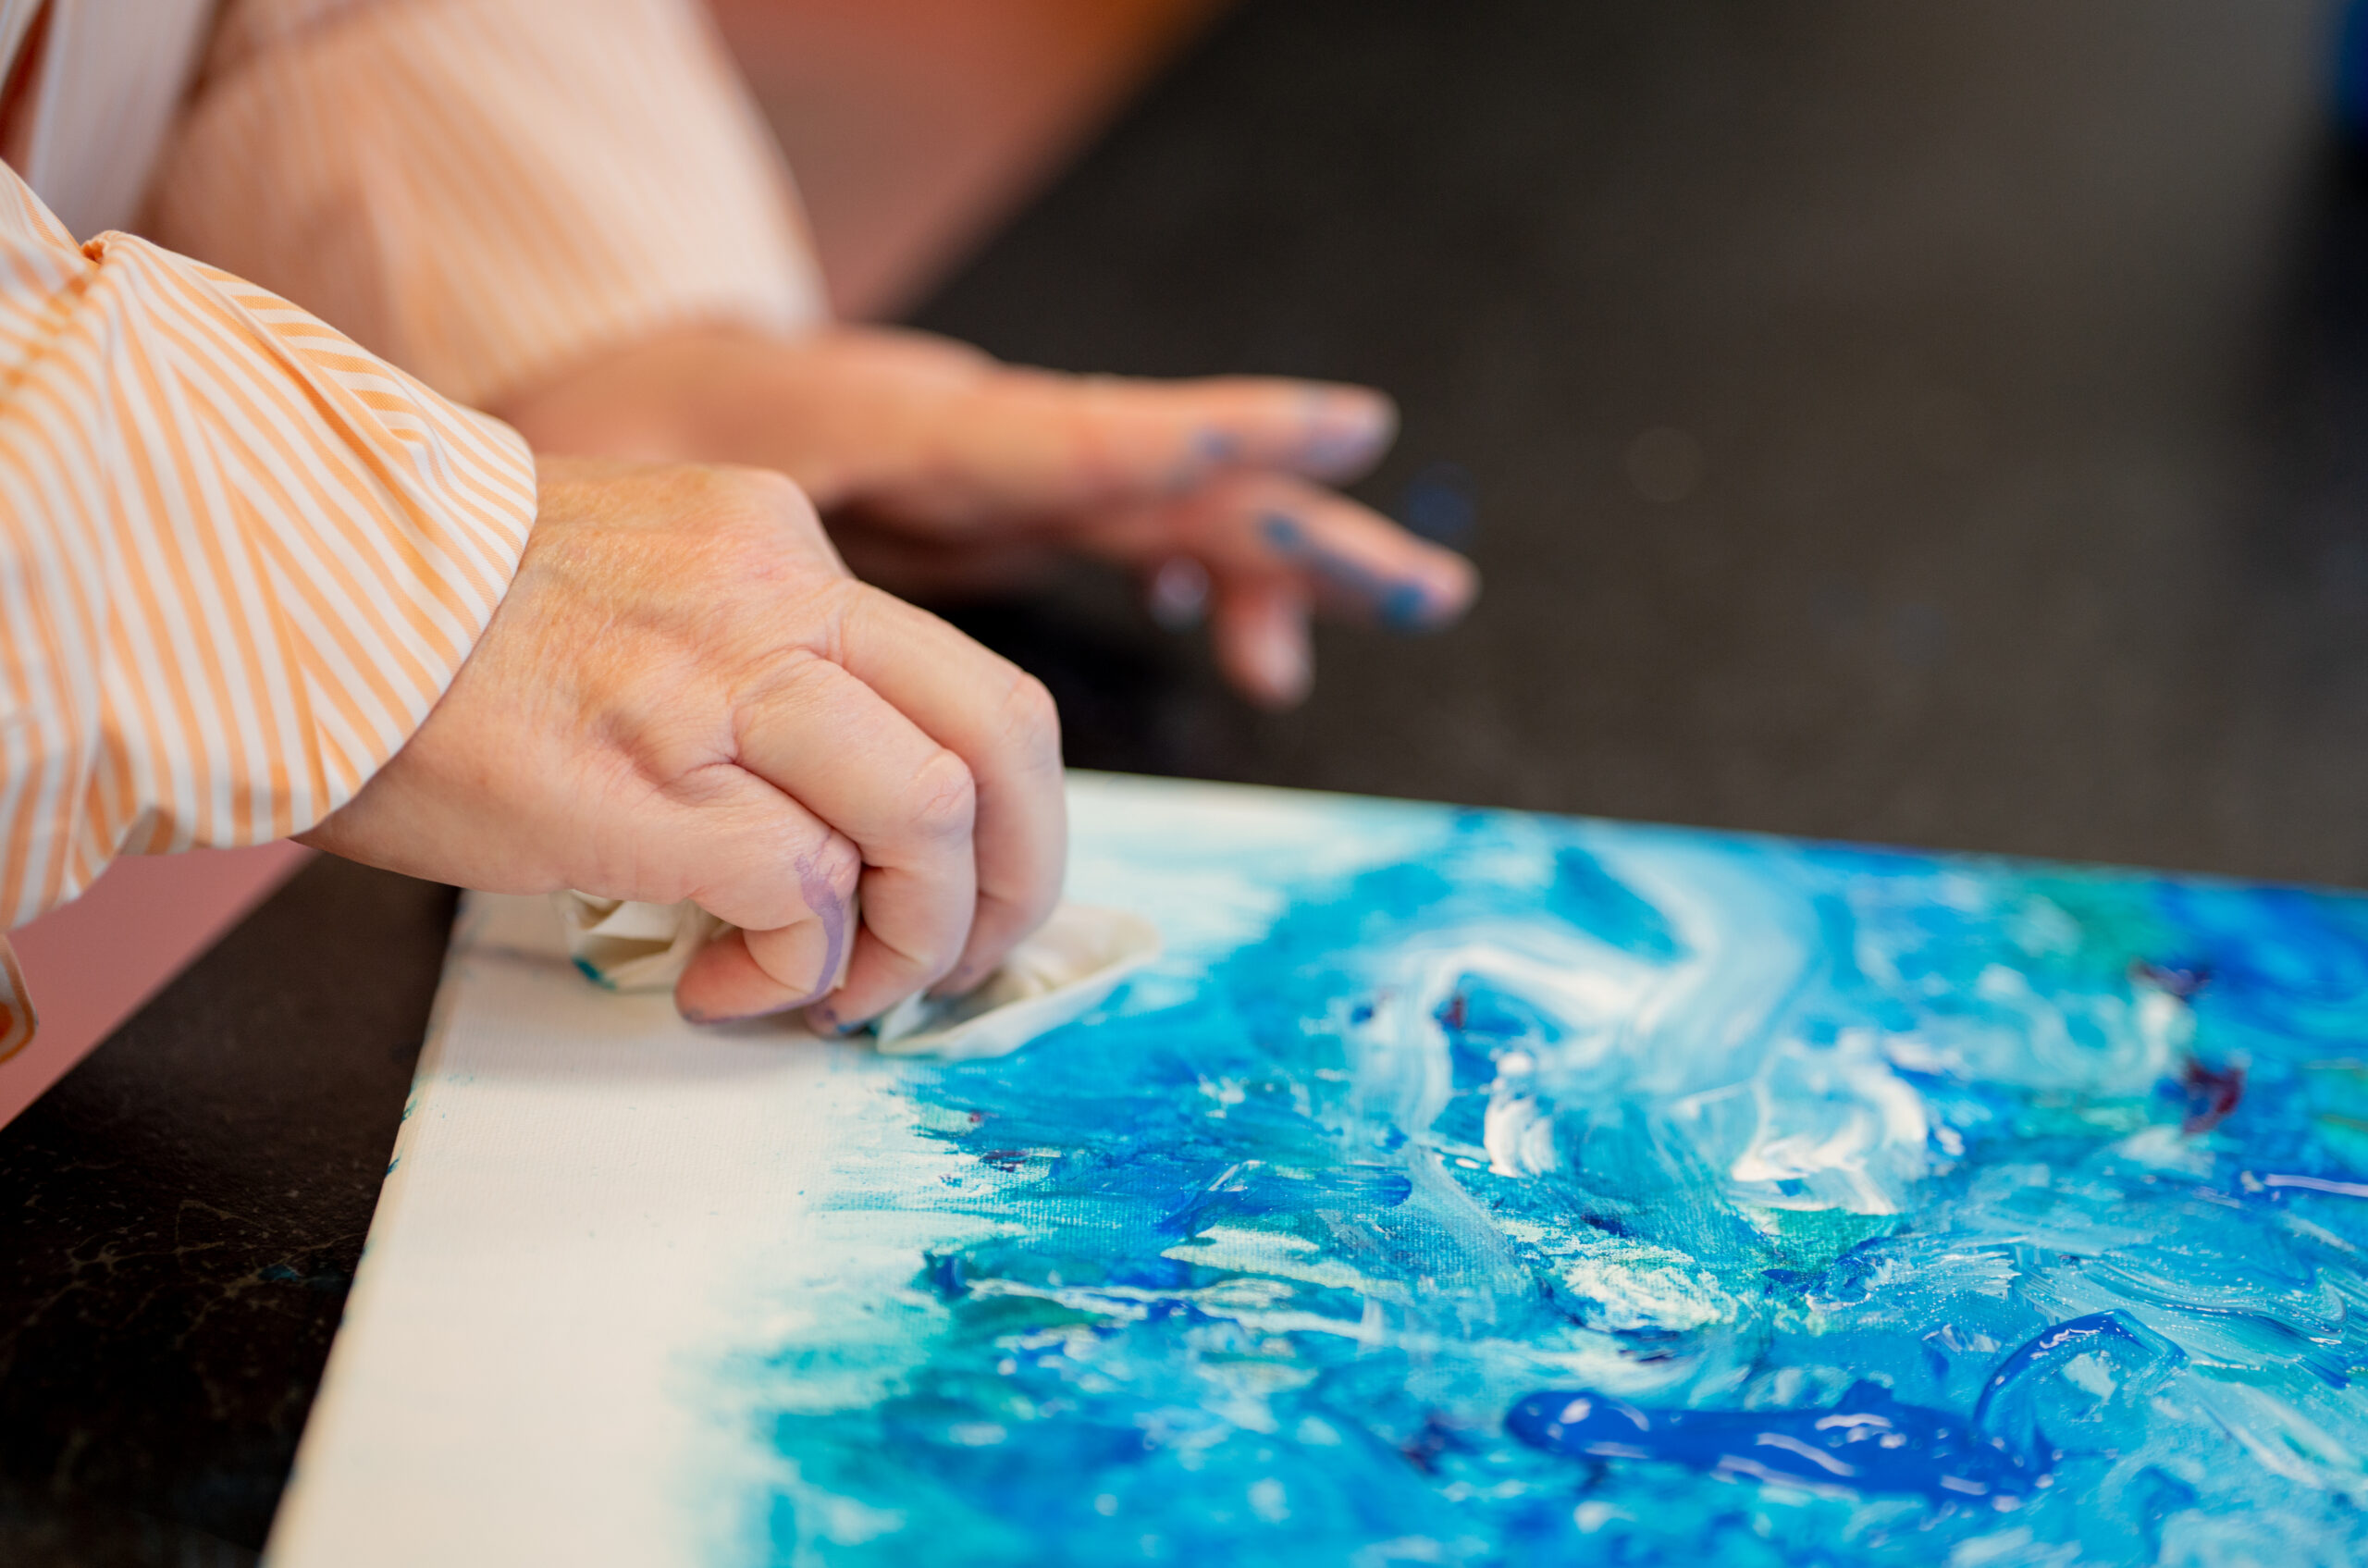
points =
(944, 799)
(754, 511)
(1030, 719)
(766, 492)
(834, 869)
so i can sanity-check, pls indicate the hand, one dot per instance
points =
(940, 469)
(685, 696)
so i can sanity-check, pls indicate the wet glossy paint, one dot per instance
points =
(1476, 1187)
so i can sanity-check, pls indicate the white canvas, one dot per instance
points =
(1457, 1187)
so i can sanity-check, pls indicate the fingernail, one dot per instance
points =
(826, 1021)
(692, 1015)
(1350, 430)
(1179, 593)
(1357, 408)
(1283, 668)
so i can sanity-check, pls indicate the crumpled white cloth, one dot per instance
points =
(630, 947)
(1070, 963)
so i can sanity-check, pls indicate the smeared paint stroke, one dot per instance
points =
(1867, 1442)
(1433, 1122)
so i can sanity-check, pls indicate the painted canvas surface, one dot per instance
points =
(1461, 1188)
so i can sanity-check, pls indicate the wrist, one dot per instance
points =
(680, 396)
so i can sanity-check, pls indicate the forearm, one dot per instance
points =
(489, 191)
(239, 560)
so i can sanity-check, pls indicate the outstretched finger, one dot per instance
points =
(1350, 559)
(1259, 632)
(1018, 441)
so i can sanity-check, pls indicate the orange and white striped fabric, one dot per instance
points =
(483, 191)
(241, 557)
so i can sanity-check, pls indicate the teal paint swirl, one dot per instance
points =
(1290, 1257)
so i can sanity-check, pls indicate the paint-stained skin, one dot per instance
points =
(1485, 1189)
(1398, 604)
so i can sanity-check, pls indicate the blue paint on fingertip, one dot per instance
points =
(1405, 607)
(1397, 603)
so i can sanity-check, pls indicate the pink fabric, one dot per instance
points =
(94, 962)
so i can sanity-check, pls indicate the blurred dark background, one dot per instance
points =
(1914, 422)
(1929, 423)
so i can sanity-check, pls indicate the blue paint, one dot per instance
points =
(1399, 605)
(1433, 1122)
(1437, 504)
(1216, 447)
(1866, 1444)
(2348, 73)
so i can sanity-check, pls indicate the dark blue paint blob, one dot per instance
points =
(1866, 1442)
(944, 1274)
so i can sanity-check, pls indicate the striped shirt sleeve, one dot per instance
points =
(240, 559)
(485, 190)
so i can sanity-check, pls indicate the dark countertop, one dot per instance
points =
(1908, 423)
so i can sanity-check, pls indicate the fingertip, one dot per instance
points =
(1357, 561)
(826, 1021)
(1348, 428)
(1368, 407)
(1178, 595)
(875, 979)
(1263, 647)
(745, 975)
(1452, 588)
(722, 983)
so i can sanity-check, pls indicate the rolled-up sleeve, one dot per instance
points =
(485, 190)
(240, 559)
